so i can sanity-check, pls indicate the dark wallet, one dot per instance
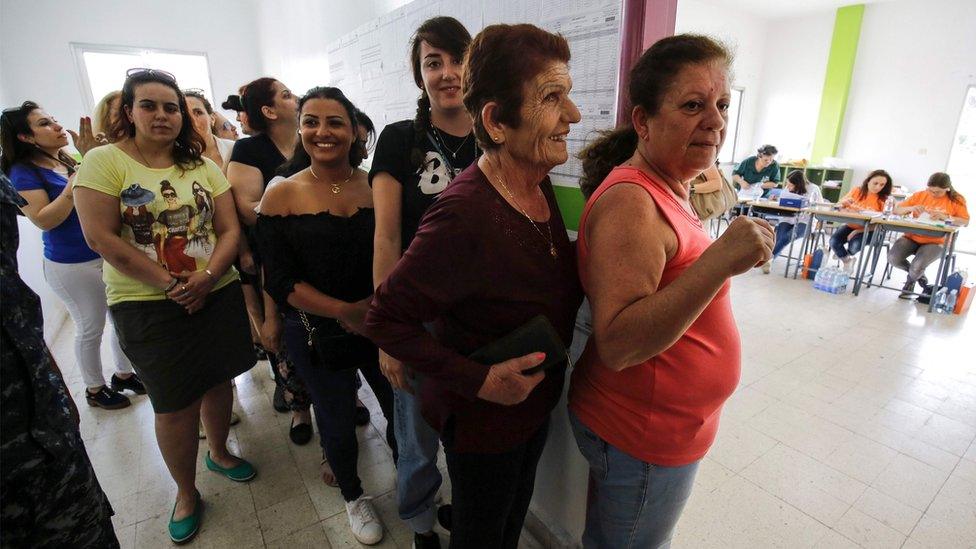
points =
(535, 336)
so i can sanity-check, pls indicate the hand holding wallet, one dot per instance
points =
(535, 336)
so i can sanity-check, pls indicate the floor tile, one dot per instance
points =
(888, 510)
(810, 486)
(868, 532)
(910, 481)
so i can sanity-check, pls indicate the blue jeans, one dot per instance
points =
(334, 397)
(418, 478)
(841, 246)
(785, 234)
(632, 503)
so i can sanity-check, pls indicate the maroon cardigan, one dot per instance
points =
(476, 271)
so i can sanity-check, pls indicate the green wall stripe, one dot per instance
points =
(837, 83)
(571, 204)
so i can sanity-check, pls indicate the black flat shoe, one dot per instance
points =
(278, 402)
(444, 516)
(362, 415)
(301, 433)
(132, 383)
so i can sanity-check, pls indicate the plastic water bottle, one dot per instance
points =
(845, 279)
(819, 281)
(950, 304)
(941, 297)
(889, 207)
(831, 279)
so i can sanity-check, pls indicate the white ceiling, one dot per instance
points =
(774, 9)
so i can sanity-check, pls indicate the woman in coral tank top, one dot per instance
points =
(664, 355)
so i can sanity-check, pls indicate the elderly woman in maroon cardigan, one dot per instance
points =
(491, 254)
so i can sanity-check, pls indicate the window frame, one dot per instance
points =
(735, 134)
(78, 50)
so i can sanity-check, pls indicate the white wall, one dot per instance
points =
(293, 35)
(37, 64)
(794, 67)
(746, 34)
(914, 61)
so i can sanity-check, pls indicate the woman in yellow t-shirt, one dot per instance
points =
(162, 218)
(942, 203)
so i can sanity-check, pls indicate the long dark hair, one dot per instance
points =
(300, 159)
(943, 181)
(254, 96)
(650, 78)
(364, 121)
(799, 182)
(13, 151)
(448, 34)
(188, 147)
(885, 192)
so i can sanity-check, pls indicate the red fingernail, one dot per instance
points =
(540, 356)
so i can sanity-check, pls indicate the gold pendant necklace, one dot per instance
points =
(336, 187)
(550, 241)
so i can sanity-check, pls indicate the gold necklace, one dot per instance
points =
(552, 244)
(138, 150)
(336, 187)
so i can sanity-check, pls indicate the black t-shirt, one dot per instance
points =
(422, 186)
(258, 151)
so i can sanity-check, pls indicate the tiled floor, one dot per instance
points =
(854, 426)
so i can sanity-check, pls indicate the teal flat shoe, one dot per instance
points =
(183, 530)
(242, 472)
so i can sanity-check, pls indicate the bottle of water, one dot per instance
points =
(845, 279)
(940, 300)
(820, 278)
(889, 207)
(950, 304)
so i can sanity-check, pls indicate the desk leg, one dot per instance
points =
(789, 253)
(938, 273)
(862, 264)
(803, 249)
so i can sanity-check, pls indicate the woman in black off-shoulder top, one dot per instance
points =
(315, 235)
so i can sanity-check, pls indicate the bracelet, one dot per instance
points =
(172, 284)
(210, 274)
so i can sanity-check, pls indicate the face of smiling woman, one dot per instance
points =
(545, 117)
(326, 131)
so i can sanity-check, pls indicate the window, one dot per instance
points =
(102, 68)
(962, 164)
(727, 153)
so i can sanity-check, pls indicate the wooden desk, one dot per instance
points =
(837, 216)
(908, 225)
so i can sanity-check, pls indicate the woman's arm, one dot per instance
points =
(47, 214)
(196, 286)
(634, 320)
(101, 223)
(248, 186)
(283, 280)
(387, 243)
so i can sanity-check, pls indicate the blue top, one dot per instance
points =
(64, 243)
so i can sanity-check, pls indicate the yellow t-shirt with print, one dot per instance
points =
(166, 214)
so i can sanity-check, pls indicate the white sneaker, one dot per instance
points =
(363, 521)
(767, 266)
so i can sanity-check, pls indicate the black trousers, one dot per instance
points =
(490, 494)
(334, 397)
